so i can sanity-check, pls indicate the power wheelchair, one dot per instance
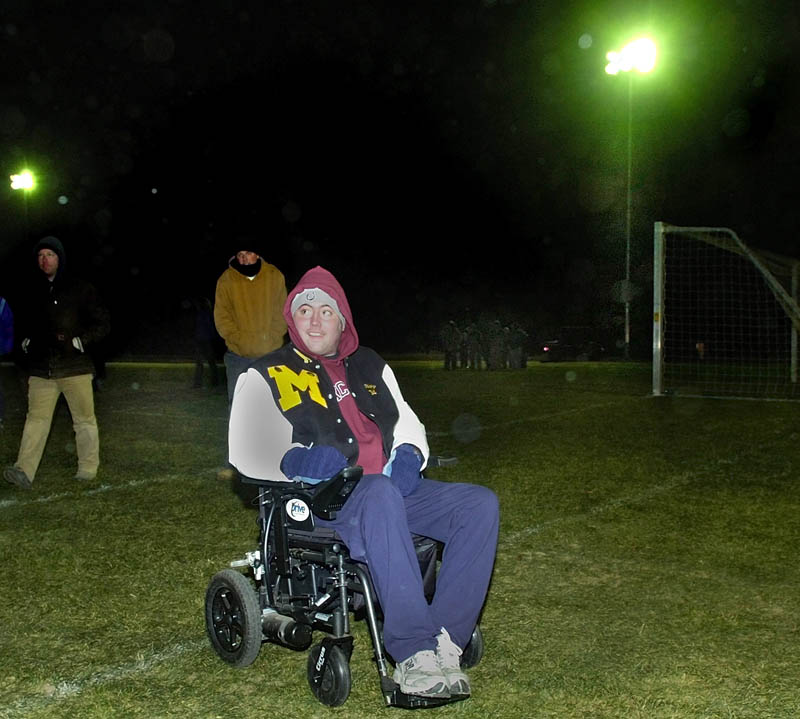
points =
(302, 579)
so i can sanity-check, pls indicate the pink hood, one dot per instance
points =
(324, 280)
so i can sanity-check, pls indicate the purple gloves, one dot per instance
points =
(312, 464)
(403, 468)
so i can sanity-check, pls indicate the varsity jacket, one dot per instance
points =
(286, 399)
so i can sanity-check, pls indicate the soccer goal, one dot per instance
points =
(725, 316)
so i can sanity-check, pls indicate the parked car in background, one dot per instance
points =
(581, 344)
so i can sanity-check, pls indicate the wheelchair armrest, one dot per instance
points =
(330, 495)
(281, 484)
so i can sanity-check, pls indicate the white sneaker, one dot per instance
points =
(449, 657)
(420, 675)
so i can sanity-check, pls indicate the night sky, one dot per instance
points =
(442, 158)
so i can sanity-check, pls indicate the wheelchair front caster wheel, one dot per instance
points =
(329, 675)
(233, 618)
(473, 652)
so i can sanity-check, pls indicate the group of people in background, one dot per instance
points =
(483, 344)
(60, 318)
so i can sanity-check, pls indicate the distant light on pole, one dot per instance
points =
(23, 181)
(639, 55)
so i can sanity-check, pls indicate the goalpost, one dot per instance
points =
(725, 316)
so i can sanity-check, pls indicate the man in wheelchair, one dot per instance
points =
(323, 402)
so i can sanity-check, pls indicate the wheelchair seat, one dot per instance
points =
(302, 580)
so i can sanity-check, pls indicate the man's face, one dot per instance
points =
(245, 257)
(319, 327)
(48, 262)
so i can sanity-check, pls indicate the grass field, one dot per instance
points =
(647, 567)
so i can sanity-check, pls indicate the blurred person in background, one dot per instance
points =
(6, 345)
(205, 342)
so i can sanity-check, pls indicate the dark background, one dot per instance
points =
(442, 158)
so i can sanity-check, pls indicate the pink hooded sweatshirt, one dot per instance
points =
(261, 431)
(371, 456)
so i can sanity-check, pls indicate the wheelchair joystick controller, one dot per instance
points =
(285, 630)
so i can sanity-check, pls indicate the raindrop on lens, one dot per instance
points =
(466, 428)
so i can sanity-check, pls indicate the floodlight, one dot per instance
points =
(637, 55)
(22, 181)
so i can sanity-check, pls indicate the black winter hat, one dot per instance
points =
(51, 243)
(247, 243)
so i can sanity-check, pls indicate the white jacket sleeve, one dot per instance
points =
(408, 430)
(258, 434)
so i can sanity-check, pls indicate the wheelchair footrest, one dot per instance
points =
(395, 698)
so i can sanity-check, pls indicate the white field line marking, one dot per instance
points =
(521, 420)
(534, 418)
(27, 499)
(58, 690)
(608, 506)
(680, 480)
(182, 416)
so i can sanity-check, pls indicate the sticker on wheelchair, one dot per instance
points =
(299, 513)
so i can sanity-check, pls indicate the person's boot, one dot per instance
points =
(16, 476)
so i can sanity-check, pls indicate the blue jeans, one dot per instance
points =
(376, 524)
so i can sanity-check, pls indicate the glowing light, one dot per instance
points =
(638, 55)
(23, 181)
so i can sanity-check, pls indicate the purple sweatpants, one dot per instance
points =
(376, 524)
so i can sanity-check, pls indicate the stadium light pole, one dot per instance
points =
(639, 55)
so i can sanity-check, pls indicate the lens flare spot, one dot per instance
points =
(466, 428)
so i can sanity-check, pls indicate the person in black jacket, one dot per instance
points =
(60, 319)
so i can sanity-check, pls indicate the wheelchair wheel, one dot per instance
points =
(233, 618)
(473, 652)
(334, 685)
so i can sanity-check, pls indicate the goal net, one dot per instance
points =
(725, 316)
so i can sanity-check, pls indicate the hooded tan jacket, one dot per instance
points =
(248, 312)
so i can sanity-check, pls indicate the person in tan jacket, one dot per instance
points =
(248, 314)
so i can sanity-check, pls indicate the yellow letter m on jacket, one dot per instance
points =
(290, 384)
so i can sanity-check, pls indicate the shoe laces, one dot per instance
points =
(425, 660)
(448, 652)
